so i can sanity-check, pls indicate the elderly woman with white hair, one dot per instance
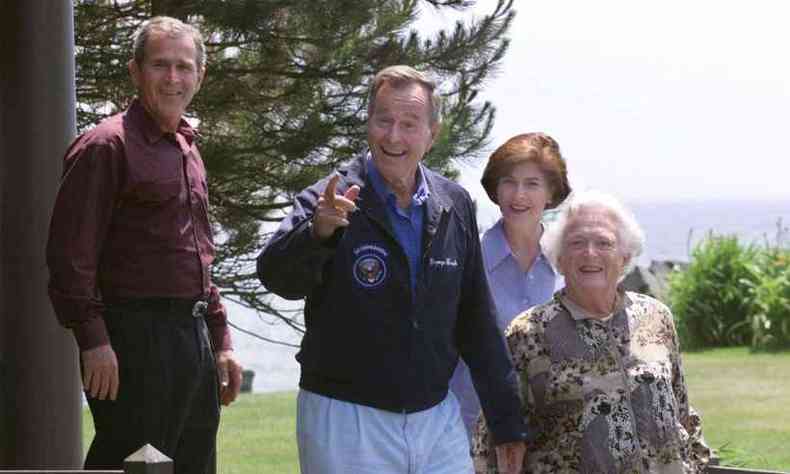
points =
(600, 368)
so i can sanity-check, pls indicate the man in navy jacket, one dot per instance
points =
(387, 256)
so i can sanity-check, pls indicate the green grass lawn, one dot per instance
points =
(744, 400)
(743, 397)
(256, 435)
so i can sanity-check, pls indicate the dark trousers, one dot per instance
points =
(168, 390)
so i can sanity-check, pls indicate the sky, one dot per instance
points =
(652, 101)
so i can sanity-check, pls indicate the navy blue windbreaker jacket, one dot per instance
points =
(367, 339)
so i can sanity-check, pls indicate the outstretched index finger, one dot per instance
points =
(329, 192)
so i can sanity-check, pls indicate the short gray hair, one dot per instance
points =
(400, 76)
(631, 238)
(172, 27)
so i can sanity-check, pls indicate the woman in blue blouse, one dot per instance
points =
(524, 177)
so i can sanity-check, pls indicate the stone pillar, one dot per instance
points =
(40, 410)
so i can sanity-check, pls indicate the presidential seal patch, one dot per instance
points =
(370, 265)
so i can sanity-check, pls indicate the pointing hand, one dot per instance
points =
(332, 211)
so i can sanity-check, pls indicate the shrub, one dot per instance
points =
(733, 294)
(711, 298)
(769, 294)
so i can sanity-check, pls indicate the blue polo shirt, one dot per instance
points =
(407, 223)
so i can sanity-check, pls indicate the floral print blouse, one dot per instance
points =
(601, 396)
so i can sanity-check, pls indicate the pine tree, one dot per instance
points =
(284, 98)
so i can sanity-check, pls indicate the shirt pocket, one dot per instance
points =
(155, 193)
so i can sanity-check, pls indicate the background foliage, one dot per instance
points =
(734, 294)
(284, 99)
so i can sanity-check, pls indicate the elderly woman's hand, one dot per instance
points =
(510, 457)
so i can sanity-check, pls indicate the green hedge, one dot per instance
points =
(733, 294)
(769, 294)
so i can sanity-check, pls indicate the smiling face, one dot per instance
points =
(591, 259)
(400, 131)
(167, 78)
(523, 194)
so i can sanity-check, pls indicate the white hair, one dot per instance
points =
(630, 237)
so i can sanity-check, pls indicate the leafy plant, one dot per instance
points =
(711, 298)
(769, 315)
(734, 294)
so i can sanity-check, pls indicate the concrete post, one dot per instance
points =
(148, 460)
(40, 419)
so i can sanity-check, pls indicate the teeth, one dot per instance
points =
(590, 269)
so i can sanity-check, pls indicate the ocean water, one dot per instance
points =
(672, 228)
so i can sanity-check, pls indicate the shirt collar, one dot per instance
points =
(499, 249)
(140, 117)
(385, 193)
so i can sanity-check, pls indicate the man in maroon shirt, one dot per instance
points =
(129, 256)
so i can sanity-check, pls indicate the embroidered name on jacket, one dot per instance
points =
(443, 263)
(370, 265)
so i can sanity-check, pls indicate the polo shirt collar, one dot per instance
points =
(385, 193)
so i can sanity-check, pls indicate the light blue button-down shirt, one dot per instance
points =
(407, 223)
(513, 292)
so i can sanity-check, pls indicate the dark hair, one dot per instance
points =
(538, 148)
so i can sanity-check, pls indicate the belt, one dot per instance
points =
(197, 308)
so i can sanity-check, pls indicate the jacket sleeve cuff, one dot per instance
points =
(91, 333)
(312, 252)
(510, 431)
(326, 247)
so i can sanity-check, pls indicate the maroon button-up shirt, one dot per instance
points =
(131, 221)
